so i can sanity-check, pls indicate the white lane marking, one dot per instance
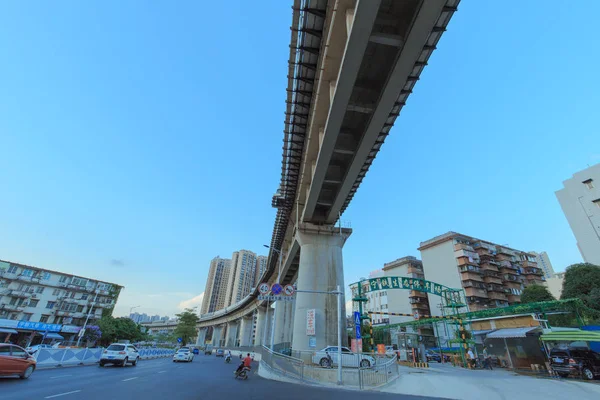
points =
(161, 372)
(62, 394)
(130, 379)
(60, 376)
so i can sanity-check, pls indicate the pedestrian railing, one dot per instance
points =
(308, 367)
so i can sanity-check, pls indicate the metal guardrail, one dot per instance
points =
(301, 367)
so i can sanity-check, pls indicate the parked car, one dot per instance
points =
(434, 356)
(575, 361)
(183, 354)
(16, 361)
(33, 349)
(196, 351)
(120, 354)
(220, 353)
(349, 359)
(208, 351)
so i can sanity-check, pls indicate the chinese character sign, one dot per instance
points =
(310, 322)
(397, 282)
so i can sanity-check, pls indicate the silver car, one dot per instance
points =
(349, 359)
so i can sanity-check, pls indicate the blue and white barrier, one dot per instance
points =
(49, 358)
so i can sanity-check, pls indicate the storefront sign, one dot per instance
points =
(396, 282)
(8, 323)
(310, 322)
(38, 326)
(70, 329)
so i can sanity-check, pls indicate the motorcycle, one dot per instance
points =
(242, 374)
(228, 359)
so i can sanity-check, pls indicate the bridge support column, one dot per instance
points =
(230, 337)
(217, 334)
(283, 322)
(260, 327)
(245, 331)
(321, 269)
(201, 336)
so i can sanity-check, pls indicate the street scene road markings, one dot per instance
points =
(62, 394)
(161, 372)
(130, 379)
(60, 376)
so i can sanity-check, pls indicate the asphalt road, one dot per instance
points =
(206, 377)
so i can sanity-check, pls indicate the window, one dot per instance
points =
(72, 295)
(33, 303)
(26, 317)
(63, 279)
(12, 269)
(79, 281)
(18, 352)
(56, 292)
(46, 276)
(13, 316)
(27, 272)
(50, 305)
(44, 318)
(589, 183)
(596, 202)
(79, 308)
(84, 296)
(39, 289)
(5, 351)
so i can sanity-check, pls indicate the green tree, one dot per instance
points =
(535, 293)
(114, 329)
(187, 326)
(582, 281)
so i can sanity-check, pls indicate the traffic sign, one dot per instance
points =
(288, 290)
(358, 336)
(276, 289)
(356, 318)
(264, 288)
(179, 340)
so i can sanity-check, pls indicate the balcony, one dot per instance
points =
(420, 306)
(469, 276)
(7, 275)
(534, 280)
(533, 271)
(470, 268)
(62, 313)
(472, 292)
(21, 294)
(415, 270)
(495, 288)
(527, 263)
(462, 246)
(416, 293)
(489, 265)
(466, 261)
(13, 308)
(473, 284)
(504, 250)
(497, 296)
(513, 298)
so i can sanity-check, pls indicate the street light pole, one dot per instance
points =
(82, 332)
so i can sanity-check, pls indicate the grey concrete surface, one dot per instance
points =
(206, 377)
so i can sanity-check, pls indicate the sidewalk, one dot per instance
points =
(457, 383)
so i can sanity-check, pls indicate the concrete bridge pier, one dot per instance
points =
(217, 335)
(260, 327)
(245, 334)
(321, 269)
(283, 322)
(230, 337)
(201, 337)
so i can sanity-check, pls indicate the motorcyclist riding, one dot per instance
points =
(247, 363)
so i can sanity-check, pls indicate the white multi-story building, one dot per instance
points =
(216, 285)
(261, 266)
(543, 262)
(580, 202)
(34, 300)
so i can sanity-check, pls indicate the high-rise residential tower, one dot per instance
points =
(216, 285)
(580, 202)
(241, 277)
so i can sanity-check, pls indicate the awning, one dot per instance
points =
(508, 333)
(571, 336)
(51, 335)
(484, 332)
(6, 330)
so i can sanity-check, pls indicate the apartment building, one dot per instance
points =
(580, 202)
(261, 267)
(34, 300)
(242, 276)
(407, 301)
(543, 262)
(216, 285)
(492, 275)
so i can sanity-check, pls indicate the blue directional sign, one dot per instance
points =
(357, 324)
(276, 289)
(179, 339)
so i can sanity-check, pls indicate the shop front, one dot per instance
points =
(27, 333)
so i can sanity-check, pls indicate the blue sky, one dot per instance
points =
(141, 139)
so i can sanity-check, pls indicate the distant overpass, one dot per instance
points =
(352, 67)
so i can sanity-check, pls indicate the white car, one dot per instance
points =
(33, 349)
(183, 354)
(349, 359)
(120, 354)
